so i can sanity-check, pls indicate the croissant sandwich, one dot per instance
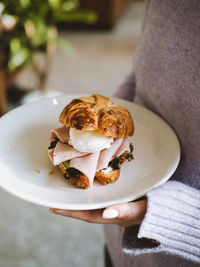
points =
(93, 141)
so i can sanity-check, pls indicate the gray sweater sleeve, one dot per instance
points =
(172, 220)
(171, 223)
(166, 65)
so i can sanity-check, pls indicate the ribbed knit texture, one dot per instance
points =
(166, 80)
(172, 219)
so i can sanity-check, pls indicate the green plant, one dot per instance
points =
(28, 27)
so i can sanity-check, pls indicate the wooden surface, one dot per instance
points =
(107, 10)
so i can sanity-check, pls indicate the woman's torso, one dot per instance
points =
(167, 75)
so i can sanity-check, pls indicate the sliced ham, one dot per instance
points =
(63, 152)
(50, 154)
(123, 148)
(61, 133)
(107, 155)
(87, 165)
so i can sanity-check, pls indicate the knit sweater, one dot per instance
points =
(166, 79)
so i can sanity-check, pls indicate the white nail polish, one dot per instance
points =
(110, 214)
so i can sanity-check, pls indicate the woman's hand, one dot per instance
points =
(124, 215)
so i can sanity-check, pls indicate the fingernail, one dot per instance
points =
(110, 214)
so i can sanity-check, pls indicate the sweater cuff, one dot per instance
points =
(171, 223)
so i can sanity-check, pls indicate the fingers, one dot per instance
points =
(90, 216)
(125, 214)
(84, 215)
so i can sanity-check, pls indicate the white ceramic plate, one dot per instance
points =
(24, 138)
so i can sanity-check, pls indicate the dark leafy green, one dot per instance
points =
(116, 162)
(53, 143)
(72, 172)
(66, 164)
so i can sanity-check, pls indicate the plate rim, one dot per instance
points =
(101, 204)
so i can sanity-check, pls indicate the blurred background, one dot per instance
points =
(47, 48)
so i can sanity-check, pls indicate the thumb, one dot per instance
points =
(133, 211)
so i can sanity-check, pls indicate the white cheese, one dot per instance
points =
(109, 169)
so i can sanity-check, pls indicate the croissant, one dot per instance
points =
(93, 113)
(98, 113)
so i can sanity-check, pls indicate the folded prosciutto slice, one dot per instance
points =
(87, 165)
(107, 155)
(81, 167)
(63, 152)
(61, 133)
(125, 147)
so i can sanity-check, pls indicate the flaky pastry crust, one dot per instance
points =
(98, 113)
(81, 182)
(107, 178)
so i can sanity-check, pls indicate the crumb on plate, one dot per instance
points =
(51, 172)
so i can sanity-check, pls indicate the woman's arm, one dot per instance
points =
(125, 214)
(172, 219)
(171, 223)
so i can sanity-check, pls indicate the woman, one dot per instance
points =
(165, 79)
